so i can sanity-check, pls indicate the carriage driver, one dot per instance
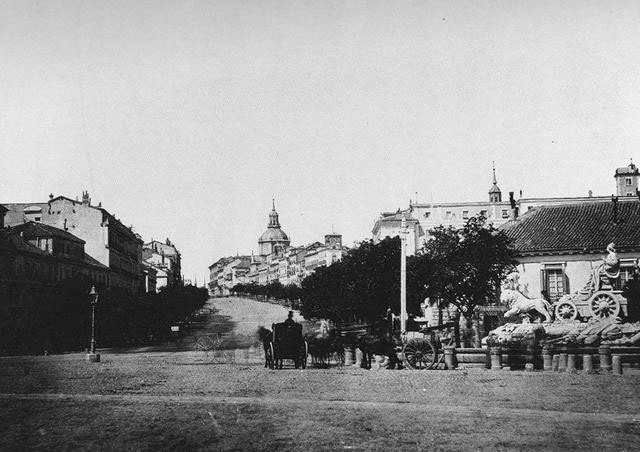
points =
(290, 320)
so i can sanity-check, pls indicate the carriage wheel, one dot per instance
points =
(603, 305)
(204, 344)
(272, 363)
(566, 310)
(270, 358)
(419, 354)
(304, 352)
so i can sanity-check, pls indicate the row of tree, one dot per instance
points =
(58, 318)
(459, 266)
(290, 293)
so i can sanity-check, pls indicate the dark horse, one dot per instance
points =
(266, 336)
(370, 345)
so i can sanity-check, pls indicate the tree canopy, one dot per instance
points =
(461, 266)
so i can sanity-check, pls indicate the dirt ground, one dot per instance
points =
(173, 398)
(178, 401)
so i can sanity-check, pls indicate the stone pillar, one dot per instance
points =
(555, 361)
(496, 358)
(505, 357)
(349, 359)
(587, 364)
(358, 354)
(450, 357)
(605, 358)
(616, 364)
(529, 352)
(562, 362)
(547, 358)
(571, 362)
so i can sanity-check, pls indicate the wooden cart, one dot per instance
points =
(423, 349)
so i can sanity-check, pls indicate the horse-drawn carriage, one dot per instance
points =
(286, 342)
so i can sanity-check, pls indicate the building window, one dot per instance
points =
(427, 214)
(465, 214)
(554, 282)
(629, 193)
(483, 213)
(627, 181)
(626, 274)
(447, 215)
(505, 213)
(37, 218)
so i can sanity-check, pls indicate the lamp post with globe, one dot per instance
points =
(92, 356)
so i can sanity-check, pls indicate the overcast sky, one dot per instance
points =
(186, 118)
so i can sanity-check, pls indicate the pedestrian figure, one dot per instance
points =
(290, 320)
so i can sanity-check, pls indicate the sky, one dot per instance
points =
(185, 118)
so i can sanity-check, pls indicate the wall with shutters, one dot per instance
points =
(536, 271)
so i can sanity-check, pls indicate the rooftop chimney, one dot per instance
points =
(590, 193)
(614, 200)
(514, 209)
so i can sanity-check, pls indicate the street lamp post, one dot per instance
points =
(403, 275)
(92, 356)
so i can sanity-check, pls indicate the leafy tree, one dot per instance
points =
(464, 267)
(360, 287)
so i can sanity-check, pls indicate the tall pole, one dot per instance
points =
(93, 328)
(92, 356)
(403, 276)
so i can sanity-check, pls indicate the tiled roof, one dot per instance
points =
(577, 228)
(631, 169)
(34, 229)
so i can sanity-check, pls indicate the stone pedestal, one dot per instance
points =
(547, 358)
(605, 358)
(450, 357)
(93, 357)
(562, 362)
(529, 367)
(358, 356)
(349, 358)
(571, 363)
(587, 364)
(496, 358)
(554, 362)
(616, 364)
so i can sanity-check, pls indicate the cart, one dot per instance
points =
(287, 343)
(423, 349)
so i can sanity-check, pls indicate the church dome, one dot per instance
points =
(274, 238)
(273, 235)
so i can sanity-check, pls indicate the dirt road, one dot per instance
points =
(177, 401)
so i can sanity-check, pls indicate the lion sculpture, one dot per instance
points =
(519, 304)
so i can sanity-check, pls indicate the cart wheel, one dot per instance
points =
(269, 353)
(304, 352)
(566, 310)
(419, 354)
(204, 344)
(603, 305)
(272, 363)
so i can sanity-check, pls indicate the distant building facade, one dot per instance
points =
(166, 260)
(422, 217)
(277, 261)
(106, 239)
(559, 246)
